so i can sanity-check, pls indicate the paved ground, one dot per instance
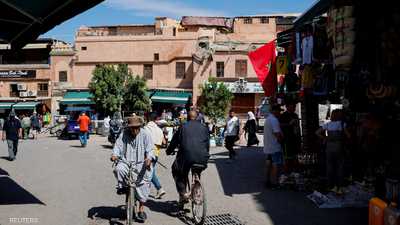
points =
(58, 183)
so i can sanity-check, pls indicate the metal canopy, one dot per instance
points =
(23, 21)
(318, 8)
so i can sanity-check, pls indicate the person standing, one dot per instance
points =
(35, 123)
(250, 128)
(193, 143)
(26, 126)
(134, 145)
(231, 133)
(83, 122)
(157, 137)
(290, 124)
(272, 146)
(12, 131)
(334, 134)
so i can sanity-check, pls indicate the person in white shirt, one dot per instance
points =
(157, 137)
(272, 146)
(231, 133)
(334, 134)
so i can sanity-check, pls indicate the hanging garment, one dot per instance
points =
(307, 46)
(282, 64)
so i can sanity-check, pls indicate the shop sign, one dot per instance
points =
(244, 87)
(17, 73)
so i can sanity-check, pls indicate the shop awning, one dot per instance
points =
(23, 21)
(173, 97)
(77, 98)
(318, 8)
(6, 105)
(25, 105)
(78, 109)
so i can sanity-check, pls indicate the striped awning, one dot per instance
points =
(25, 105)
(172, 97)
(6, 105)
(77, 98)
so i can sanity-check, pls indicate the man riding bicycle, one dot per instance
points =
(193, 141)
(134, 145)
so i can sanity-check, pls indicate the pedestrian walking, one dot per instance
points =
(35, 124)
(232, 128)
(193, 143)
(334, 134)
(26, 126)
(134, 145)
(12, 132)
(272, 146)
(157, 137)
(290, 125)
(83, 122)
(250, 128)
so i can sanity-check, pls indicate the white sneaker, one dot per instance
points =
(160, 193)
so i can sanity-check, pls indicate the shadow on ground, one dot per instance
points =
(13, 194)
(115, 215)
(245, 175)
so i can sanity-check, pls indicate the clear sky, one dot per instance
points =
(112, 12)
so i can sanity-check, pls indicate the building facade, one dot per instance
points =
(175, 57)
(33, 77)
(179, 56)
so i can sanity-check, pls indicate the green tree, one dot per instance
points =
(107, 87)
(215, 99)
(135, 97)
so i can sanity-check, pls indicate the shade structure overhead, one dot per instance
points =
(6, 105)
(173, 97)
(77, 98)
(23, 21)
(25, 105)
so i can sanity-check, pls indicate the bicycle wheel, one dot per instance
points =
(130, 207)
(199, 203)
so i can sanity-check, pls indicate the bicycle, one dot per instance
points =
(130, 198)
(197, 195)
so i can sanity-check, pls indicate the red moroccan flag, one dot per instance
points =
(264, 64)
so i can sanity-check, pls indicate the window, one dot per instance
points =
(156, 56)
(112, 30)
(264, 20)
(220, 69)
(43, 86)
(180, 70)
(174, 31)
(148, 71)
(83, 48)
(43, 89)
(13, 90)
(63, 76)
(241, 68)
(248, 21)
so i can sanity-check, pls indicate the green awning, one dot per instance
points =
(6, 105)
(25, 105)
(23, 21)
(77, 98)
(173, 97)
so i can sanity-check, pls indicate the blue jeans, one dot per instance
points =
(83, 138)
(154, 180)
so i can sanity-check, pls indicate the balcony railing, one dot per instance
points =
(43, 93)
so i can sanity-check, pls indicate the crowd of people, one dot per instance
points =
(14, 128)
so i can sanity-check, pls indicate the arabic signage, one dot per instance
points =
(17, 74)
(244, 87)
